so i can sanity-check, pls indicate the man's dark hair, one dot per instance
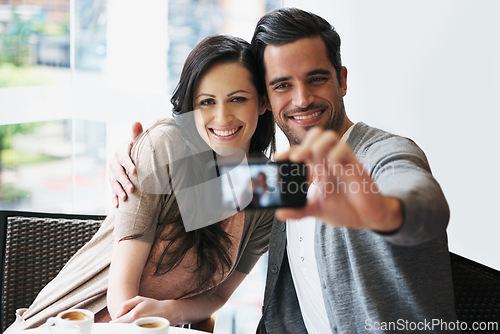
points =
(287, 25)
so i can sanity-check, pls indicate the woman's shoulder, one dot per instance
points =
(161, 138)
(153, 154)
(164, 130)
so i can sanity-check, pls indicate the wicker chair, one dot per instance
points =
(35, 246)
(477, 291)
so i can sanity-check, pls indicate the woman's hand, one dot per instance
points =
(138, 307)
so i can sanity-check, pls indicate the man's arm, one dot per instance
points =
(121, 165)
(399, 198)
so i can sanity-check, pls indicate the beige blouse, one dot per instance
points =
(82, 283)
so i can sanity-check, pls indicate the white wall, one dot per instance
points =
(430, 70)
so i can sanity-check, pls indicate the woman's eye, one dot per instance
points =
(207, 102)
(238, 99)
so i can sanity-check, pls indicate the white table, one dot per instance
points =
(101, 328)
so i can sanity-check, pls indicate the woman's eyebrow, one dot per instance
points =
(206, 94)
(238, 91)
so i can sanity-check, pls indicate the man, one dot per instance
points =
(379, 221)
(369, 250)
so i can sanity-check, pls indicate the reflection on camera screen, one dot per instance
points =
(261, 186)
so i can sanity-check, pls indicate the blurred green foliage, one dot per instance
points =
(10, 193)
(7, 134)
(15, 40)
(15, 43)
(8, 131)
(12, 75)
(12, 158)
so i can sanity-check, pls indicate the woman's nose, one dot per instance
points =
(223, 114)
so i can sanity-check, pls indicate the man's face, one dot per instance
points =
(303, 88)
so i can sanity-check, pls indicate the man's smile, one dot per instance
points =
(300, 117)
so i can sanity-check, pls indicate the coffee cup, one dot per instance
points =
(72, 321)
(151, 325)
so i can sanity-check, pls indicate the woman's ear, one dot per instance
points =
(264, 105)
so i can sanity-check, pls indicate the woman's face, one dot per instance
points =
(227, 108)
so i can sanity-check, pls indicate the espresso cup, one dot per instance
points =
(151, 325)
(72, 321)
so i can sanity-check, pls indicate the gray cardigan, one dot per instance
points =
(373, 280)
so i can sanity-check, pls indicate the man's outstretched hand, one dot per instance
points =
(121, 165)
(347, 196)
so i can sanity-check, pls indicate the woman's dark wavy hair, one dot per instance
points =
(211, 243)
(287, 25)
(216, 50)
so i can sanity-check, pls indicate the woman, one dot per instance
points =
(142, 261)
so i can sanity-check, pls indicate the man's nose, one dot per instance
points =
(302, 96)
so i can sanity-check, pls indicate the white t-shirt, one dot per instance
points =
(302, 259)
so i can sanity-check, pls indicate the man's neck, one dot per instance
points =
(347, 124)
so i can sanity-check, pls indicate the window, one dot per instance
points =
(75, 74)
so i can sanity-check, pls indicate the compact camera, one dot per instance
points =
(259, 184)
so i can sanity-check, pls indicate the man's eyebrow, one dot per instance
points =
(275, 81)
(209, 95)
(319, 71)
(308, 74)
(238, 91)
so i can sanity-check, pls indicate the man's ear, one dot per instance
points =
(264, 105)
(343, 80)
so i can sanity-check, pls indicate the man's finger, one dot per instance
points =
(322, 145)
(286, 155)
(122, 159)
(118, 191)
(341, 154)
(136, 130)
(125, 183)
(118, 174)
(284, 214)
(115, 201)
(281, 156)
(302, 151)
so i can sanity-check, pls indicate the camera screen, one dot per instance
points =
(263, 185)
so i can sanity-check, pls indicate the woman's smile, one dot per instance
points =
(225, 133)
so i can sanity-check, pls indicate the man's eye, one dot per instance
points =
(282, 86)
(318, 79)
